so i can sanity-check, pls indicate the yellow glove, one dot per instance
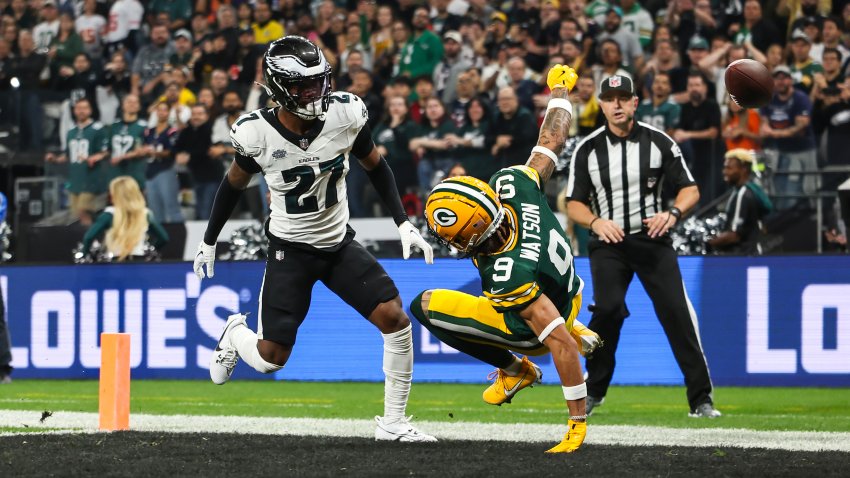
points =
(561, 76)
(574, 437)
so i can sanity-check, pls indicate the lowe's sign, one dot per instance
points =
(765, 321)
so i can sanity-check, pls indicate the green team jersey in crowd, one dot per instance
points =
(664, 116)
(537, 259)
(126, 137)
(83, 142)
(803, 74)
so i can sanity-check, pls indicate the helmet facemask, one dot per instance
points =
(298, 77)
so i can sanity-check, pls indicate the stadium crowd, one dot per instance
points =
(149, 89)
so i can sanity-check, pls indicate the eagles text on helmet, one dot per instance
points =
(298, 76)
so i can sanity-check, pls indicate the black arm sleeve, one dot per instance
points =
(384, 181)
(363, 143)
(248, 164)
(225, 201)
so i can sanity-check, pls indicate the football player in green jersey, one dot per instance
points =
(531, 292)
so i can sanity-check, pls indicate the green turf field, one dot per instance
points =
(812, 409)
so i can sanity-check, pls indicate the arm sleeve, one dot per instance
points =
(384, 181)
(158, 235)
(225, 201)
(363, 143)
(103, 222)
(248, 164)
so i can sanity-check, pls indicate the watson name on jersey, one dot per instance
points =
(306, 176)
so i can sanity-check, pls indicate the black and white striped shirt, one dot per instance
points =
(620, 178)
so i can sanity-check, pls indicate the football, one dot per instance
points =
(749, 83)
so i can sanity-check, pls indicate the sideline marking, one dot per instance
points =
(628, 435)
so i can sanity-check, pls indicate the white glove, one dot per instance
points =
(205, 255)
(410, 236)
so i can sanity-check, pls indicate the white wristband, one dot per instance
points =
(546, 152)
(576, 392)
(562, 103)
(549, 328)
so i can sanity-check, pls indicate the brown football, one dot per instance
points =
(749, 83)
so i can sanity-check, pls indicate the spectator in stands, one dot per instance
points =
(525, 89)
(830, 38)
(79, 81)
(789, 141)
(450, 67)
(127, 136)
(125, 20)
(162, 187)
(804, 70)
(611, 64)
(424, 89)
(266, 28)
(65, 46)
(222, 147)
(431, 145)
(250, 63)
(697, 50)
(663, 59)
(699, 127)
(586, 106)
(638, 21)
(354, 43)
(45, 31)
(179, 12)
(659, 110)
(87, 146)
(630, 48)
(741, 127)
(746, 207)
(183, 48)
(465, 91)
(127, 223)
(116, 76)
(831, 76)
(443, 22)
(775, 56)
(27, 67)
(178, 113)
(91, 27)
(392, 137)
(714, 64)
(514, 130)
(471, 141)
(423, 51)
(149, 66)
(194, 148)
(219, 85)
(832, 121)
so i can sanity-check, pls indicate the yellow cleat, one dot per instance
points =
(561, 76)
(572, 440)
(505, 387)
(588, 341)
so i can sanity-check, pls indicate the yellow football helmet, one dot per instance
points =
(463, 212)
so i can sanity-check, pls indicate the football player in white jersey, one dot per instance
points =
(303, 149)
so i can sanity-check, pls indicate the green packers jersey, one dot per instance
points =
(82, 143)
(803, 74)
(664, 117)
(126, 137)
(536, 260)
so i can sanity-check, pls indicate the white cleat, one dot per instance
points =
(400, 430)
(224, 357)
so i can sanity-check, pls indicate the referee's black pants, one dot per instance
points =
(656, 264)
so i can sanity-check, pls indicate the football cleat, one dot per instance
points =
(572, 440)
(588, 341)
(706, 410)
(505, 387)
(224, 357)
(400, 430)
(591, 403)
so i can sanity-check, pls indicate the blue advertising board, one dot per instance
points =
(763, 321)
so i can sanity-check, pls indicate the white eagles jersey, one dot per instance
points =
(309, 201)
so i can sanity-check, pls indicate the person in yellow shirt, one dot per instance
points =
(266, 30)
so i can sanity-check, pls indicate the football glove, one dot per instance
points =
(572, 440)
(561, 76)
(411, 237)
(205, 255)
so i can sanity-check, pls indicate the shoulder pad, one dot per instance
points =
(245, 134)
(350, 108)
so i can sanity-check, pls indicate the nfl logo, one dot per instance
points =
(278, 255)
(305, 143)
(614, 81)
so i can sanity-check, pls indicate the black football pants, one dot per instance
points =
(656, 264)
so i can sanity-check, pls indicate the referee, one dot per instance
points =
(614, 190)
